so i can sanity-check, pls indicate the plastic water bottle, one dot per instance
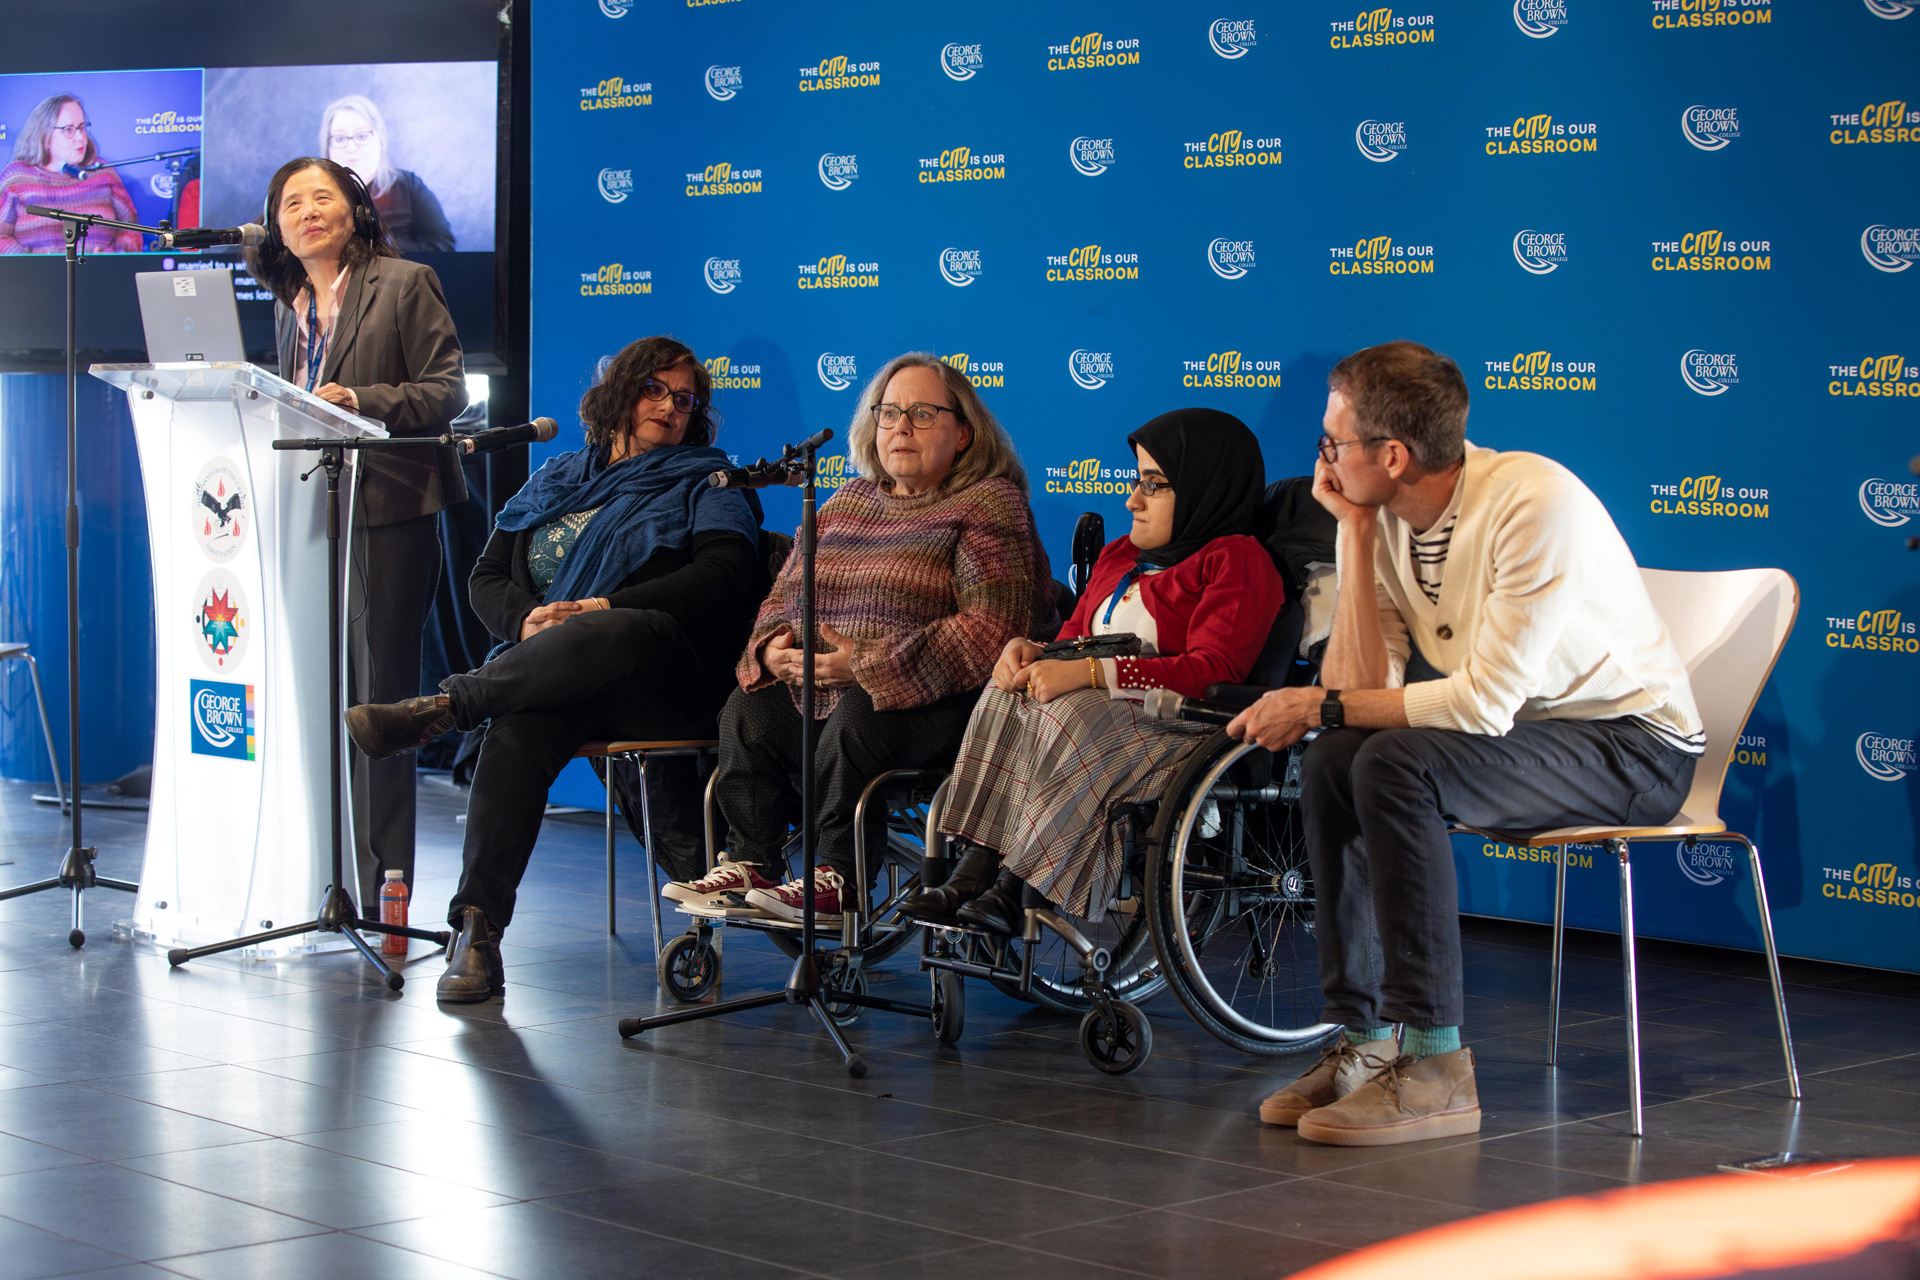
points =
(393, 910)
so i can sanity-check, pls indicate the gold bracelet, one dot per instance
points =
(1093, 673)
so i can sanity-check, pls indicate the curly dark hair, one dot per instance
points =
(607, 408)
(274, 265)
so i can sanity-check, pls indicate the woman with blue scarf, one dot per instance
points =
(622, 586)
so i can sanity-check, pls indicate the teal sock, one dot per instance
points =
(1420, 1042)
(1368, 1035)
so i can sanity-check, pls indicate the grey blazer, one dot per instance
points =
(396, 349)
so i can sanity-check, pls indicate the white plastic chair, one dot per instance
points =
(1729, 628)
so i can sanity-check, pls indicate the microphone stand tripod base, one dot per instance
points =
(337, 915)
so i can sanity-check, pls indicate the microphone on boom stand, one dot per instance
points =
(247, 234)
(789, 469)
(540, 430)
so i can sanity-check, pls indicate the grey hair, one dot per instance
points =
(990, 454)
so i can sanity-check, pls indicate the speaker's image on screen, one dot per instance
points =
(123, 145)
(421, 135)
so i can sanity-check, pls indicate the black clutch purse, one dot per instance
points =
(1120, 644)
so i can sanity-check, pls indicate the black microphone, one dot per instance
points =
(1165, 704)
(761, 475)
(250, 234)
(540, 429)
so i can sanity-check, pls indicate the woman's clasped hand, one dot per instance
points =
(1020, 670)
(785, 659)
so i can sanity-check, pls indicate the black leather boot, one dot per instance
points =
(968, 880)
(998, 910)
(384, 729)
(474, 972)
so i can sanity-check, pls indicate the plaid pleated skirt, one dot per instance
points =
(1039, 783)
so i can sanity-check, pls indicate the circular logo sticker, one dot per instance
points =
(221, 621)
(221, 511)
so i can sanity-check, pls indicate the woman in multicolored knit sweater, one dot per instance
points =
(56, 135)
(926, 566)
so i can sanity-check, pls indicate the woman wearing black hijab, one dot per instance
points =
(1055, 745)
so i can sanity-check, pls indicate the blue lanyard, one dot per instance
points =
(316, 341)
(1128, 579)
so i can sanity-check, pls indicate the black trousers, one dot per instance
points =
(758, 789)
(1376, 804)
(390, 587)
(622, 673)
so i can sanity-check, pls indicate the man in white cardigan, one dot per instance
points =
(1560, 701)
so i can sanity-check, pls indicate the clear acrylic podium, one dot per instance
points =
(238, 833)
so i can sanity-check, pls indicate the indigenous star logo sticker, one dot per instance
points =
(220, 624)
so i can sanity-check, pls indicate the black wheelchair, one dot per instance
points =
(1216, 898)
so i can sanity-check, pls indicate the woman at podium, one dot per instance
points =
(361, 327)
(624, 585)
(50, 155)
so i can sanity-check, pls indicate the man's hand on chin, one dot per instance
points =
(1280, 719)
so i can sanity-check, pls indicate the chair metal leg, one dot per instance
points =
(612, 923)
(646, 831)
(46, 731)
(1773, 963)
(1619, 849)
(1559, 951)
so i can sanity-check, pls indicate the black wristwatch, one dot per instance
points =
(1332, 714)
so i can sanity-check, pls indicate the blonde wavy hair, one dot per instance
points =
(990, 454)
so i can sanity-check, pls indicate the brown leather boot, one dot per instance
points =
(384, 729)
(1343, 1068)
(1412, 1100)
(474, 972)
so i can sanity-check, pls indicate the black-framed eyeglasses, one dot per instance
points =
(73, 130)
(1152, 487)
(654, 389)
(1330, 448)
(921, 414)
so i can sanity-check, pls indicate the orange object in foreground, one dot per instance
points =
(1691, 1230)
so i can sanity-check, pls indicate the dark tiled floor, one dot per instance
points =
(238, 1119)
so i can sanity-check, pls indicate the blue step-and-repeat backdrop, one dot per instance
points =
(1673, 243)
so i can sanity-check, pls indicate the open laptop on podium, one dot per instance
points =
(190, 315)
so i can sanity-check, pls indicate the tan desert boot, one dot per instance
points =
(1343, 1068)
(1412, 1100)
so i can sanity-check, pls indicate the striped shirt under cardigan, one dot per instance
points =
(930, 589)
(100, 192)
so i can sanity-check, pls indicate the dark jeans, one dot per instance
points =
(390, 588)
(622, 673)
(759, 784)
(1376, 804)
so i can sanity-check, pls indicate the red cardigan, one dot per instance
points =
(1213, 611)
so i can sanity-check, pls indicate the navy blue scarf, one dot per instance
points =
(656, 500)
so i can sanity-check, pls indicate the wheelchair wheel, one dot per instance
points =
(837, 979)
(949, 1006)
(689, 967)
(1229, 899)
(1057, 975)
(1116, 1038)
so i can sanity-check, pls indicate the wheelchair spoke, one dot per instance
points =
(1235, 869)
